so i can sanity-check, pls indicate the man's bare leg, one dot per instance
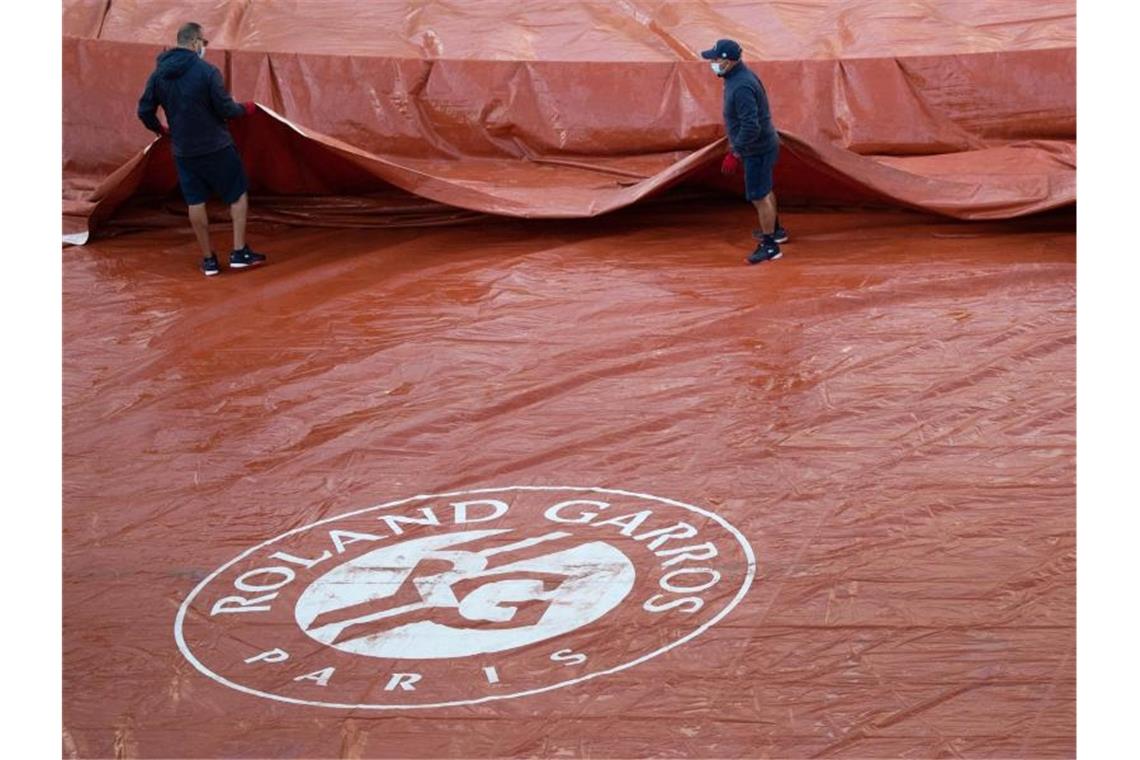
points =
(239, 210)
(767, 249)
(200, 223)
(766, 212)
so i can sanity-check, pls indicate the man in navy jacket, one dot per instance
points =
(197, 106)
(753, 141)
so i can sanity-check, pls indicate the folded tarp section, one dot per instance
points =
(589, 30)
(596, 107)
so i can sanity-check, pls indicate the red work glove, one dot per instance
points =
(250, 107)
(731, 164)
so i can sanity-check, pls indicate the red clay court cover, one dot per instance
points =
(888, 427)
(960, 108)
(507, 453)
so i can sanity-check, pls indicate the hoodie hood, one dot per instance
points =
(173, 63)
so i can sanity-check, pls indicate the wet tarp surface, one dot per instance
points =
(507, 453)
(594, 106)
(886, 415)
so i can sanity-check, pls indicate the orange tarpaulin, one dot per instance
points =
(886, 415)
(975, 126)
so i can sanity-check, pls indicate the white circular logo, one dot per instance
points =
(460, 598)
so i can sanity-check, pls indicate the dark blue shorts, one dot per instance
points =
(758, 174)
(219, 173)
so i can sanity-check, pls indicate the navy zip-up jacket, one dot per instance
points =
(196, 103)
(747, 119)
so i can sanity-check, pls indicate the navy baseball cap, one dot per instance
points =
(729, 49)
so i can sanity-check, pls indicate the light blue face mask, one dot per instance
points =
(716, 67)
(202, 52)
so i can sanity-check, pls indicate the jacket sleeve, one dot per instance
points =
(747, 118)
(148, 107)
(223, 104)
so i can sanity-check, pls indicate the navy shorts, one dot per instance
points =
(219, 173)
(758, 174)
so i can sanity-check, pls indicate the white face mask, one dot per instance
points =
(718, 68)
(202, 52)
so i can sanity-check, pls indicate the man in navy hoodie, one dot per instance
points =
(753, 142)
(197, 105)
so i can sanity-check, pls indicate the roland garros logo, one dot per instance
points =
(466, 597)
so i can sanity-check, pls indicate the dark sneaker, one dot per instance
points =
(767, 250)
(210, 266)
(245, 258)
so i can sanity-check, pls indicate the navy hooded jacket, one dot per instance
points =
(196, 103)
(747, 118)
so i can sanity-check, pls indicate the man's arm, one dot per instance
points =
(748, 117)
(223, 104)
(148, 108)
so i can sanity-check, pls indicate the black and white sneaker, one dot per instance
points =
(767, 250)
(210, 266)
(245, 258)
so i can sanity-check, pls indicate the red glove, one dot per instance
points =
(250, 107)
(731, 164)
